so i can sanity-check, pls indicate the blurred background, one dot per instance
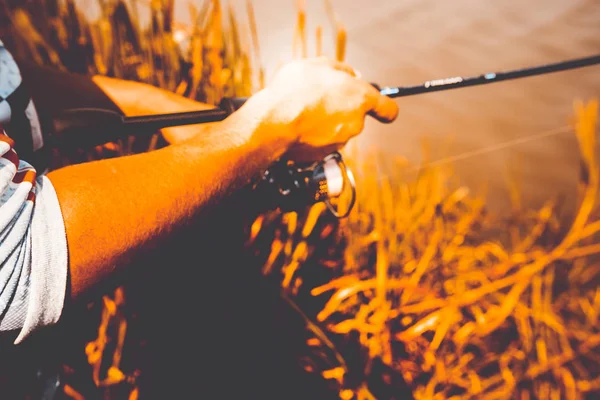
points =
(428, 287)
(408, 42)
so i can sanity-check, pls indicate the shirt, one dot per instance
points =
(33, 246)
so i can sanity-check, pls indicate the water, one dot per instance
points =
(401, 42)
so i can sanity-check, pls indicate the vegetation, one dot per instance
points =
(457, 302)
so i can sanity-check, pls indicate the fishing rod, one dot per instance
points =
(288, 184)
(102, 126)
(457, 82)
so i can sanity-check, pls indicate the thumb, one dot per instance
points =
(382, 108)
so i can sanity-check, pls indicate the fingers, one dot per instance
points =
(380, 107)
(349, 129)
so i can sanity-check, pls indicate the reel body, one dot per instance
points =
(290, 186)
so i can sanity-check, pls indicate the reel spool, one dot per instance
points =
(290, 186)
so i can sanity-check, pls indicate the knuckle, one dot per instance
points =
(339, 83)
(350, 129)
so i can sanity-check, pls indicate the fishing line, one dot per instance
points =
(456, 82)
(494, 147)
(288, 185)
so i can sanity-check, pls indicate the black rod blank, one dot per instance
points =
(484, 79)
(90, 127)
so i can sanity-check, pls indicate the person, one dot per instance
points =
(67, 231)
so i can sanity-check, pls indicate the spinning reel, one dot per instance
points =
(291, 186)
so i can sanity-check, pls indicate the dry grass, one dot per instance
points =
(458, 302)
(215, 56)
(205, 61)
(461, 303)
(214, 50)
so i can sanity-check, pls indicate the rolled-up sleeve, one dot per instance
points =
(33, 247)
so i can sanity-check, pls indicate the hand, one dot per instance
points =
(321, 104)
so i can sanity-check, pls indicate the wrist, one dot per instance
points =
(259, 116)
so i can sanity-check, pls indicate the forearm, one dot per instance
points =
(115, 209)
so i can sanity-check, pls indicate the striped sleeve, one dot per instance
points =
(33, 247)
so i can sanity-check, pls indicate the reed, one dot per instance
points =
(205, 60)
(456, 301)
(210, 58)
